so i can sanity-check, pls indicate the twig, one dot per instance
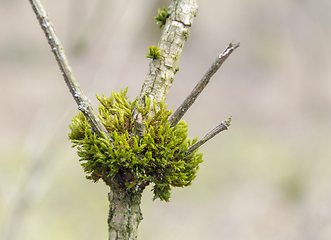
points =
(182, 109)
(83, 103)
(221, 127)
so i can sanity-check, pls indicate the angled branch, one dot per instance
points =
(83, 103)
(221, 127)
(182, 109)
(161, 73)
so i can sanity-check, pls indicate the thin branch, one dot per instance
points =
(182, 109)
(83, 103)
(221, 127)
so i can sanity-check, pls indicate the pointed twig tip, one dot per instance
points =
(234, 45)
(227, 122)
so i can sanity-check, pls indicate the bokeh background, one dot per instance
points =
(267, 177)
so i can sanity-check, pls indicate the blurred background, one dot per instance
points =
(267, 177)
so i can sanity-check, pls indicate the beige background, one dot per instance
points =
(268, 177)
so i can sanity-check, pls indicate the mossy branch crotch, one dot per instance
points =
(132, 162)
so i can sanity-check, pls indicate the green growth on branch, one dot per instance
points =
(131, 162)
(162, 15)
(153, 52)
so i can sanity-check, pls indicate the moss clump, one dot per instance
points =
(162, 15)
(153, 52)
(129, 161)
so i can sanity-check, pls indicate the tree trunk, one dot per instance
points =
(124, 213)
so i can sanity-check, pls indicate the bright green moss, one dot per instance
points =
(153, 52)
(158, 157)
(161, 17)
(186, 34)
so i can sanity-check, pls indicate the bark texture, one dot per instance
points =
(176, 31)
(124, 213)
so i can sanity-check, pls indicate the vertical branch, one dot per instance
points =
(83, 103)
(176, 31)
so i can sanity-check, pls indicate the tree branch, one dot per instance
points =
(182, 109)
(223, 126)
(176, 31)
(83, 103)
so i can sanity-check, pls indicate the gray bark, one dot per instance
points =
(176, 31)
(124, 213)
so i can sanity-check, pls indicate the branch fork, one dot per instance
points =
(158, 81)
(190, 99)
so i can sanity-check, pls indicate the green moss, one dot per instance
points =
(153, 52)
(162, 15)
(158, 157)
(186, 34)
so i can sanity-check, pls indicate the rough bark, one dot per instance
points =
(124, 213)
(176, 31)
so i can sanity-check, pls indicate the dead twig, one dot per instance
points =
(221, 127)
(182, 109)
